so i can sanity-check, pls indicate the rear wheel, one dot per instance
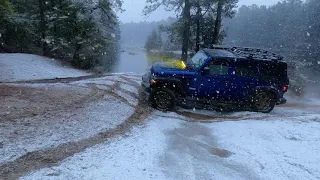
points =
(264, 102)
(162, 99)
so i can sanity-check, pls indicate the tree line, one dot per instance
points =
(291, 27)
(83, 32)
(199, 22)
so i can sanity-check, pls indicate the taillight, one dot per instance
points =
(284, 88)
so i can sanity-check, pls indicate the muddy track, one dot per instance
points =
(40, 96)
(190, 116)
(68, 79)
(47, 101)
(59, 80)
(46, 158)
(130, 81)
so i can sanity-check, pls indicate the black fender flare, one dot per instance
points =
(268, 89)
(174, 84)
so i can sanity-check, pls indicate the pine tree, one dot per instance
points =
(79, 32)
(154, 41)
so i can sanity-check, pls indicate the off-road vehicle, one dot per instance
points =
(227, 78)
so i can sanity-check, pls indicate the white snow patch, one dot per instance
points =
(220, 114)
(97, 81)
(15, 67)
(132, 100)
(273, 149)
(158, 114)
(103, 87)
(129, 88)
(114, 77)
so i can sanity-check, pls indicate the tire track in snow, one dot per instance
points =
(69, 79)
(59, 80)
(50, 157)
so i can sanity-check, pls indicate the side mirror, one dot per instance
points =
(206, 71)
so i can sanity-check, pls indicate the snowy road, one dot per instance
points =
(101, 128)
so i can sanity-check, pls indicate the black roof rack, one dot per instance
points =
(251, 53)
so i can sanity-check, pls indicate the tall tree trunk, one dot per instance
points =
(217, 25)
(186, 30)
(42, 27)
(55, 20)
(198, 26)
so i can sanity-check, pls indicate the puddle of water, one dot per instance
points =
(133, 61)
(219, 152)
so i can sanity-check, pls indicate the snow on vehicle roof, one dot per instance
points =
(219, 53)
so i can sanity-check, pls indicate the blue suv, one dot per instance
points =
(220, 78)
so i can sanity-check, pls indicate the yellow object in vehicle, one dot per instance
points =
(175, 63)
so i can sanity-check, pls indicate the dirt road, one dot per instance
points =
(29, 99)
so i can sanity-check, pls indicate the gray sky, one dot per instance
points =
(134, 10)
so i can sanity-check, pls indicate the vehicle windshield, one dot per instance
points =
(197, 60)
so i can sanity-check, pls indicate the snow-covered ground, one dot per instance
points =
(16, 67)
(137, 144)
(40, 132)
(173, 149)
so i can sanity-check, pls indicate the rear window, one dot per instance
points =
(244, 70)
(273, 72)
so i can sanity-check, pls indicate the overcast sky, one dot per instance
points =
(134, 9)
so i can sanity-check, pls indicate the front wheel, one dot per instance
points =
(264, 102)
(162, 99)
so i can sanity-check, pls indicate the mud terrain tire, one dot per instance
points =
(162, 99)
(264, 102)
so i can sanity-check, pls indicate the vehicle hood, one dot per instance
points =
(172, 69)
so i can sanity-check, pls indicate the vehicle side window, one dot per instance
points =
(218, 68)
(247, 71)
(198, 59)
(272, 72)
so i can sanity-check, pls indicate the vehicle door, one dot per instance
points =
(216, 78)
(244, 80)
(195, 86)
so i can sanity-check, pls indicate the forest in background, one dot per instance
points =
(290, 27)
(84, 33)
